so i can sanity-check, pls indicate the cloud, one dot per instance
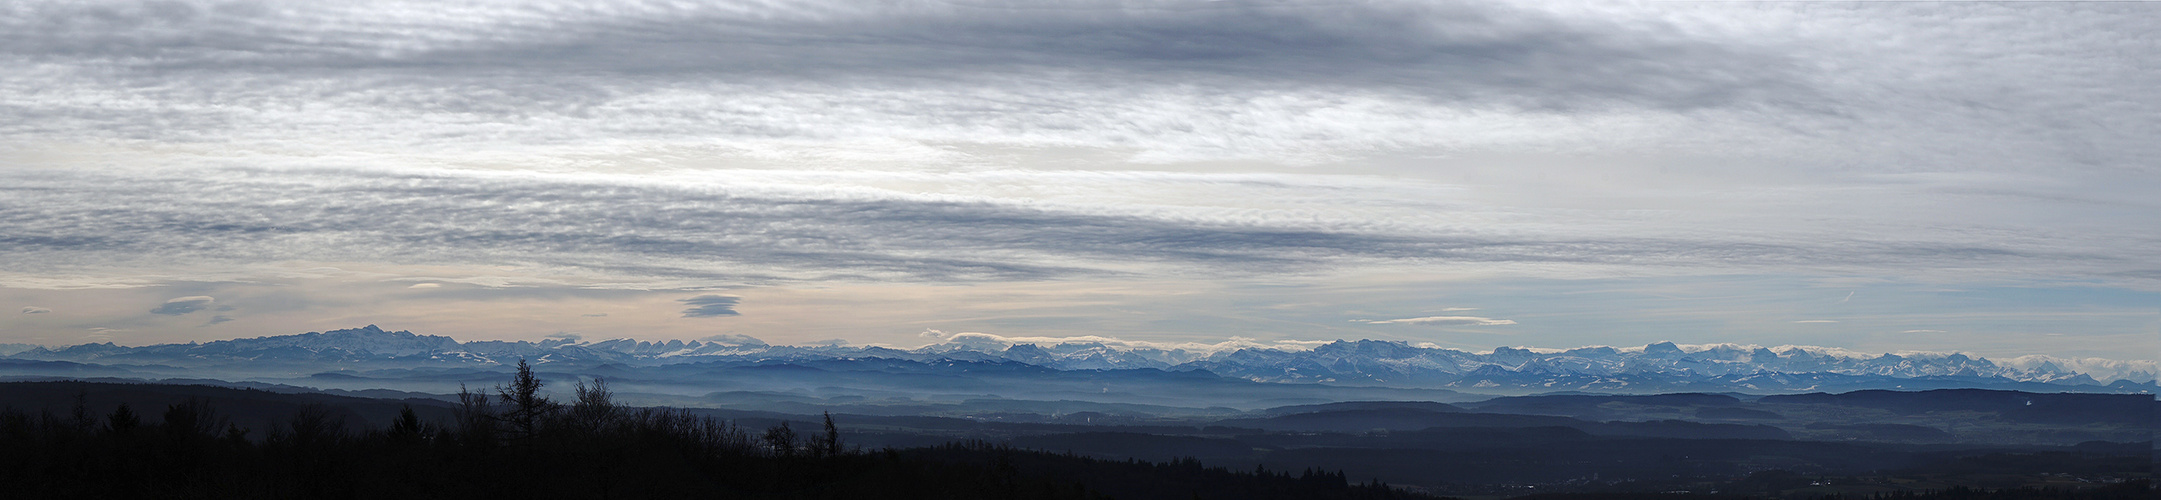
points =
(183, 305)
(426, 285)
(1196, 80)
(940, 89)
(979, 339)
(594, 315)
(36, 310)
(788, 229)
(1455, 51)
(2100, 368)
(1922, 331)
(566, 336)
(734, 340)
(707, 306)
(692, 145)
(1817, 321)
(1444, 321)
(217, 319)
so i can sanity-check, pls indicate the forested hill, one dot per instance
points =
(515, 444)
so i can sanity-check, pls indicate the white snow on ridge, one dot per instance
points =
(1309, 361)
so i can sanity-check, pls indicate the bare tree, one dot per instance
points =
(595, 408)
(476, 417)
(781, 440)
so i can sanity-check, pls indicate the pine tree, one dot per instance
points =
(829, 445)
(407, 428)
(526, 408)
(122, 420)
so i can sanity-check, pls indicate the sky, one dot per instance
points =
(1877, 176)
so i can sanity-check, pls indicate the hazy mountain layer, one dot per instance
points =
(1660, 367)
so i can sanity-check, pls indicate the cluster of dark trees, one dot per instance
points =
(2129, 490)
(518, 443)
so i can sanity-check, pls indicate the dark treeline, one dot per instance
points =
(517, 443)
(2128, 490)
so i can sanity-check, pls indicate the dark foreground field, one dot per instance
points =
(68, 439)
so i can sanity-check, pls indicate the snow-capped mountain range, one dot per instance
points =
(1663, 366)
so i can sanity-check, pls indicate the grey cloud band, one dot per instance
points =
(52, 218)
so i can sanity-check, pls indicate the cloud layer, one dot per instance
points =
(720, 233)
(687, 147)
(1156, 81)
(184, 305)
(1444, 321)
(707, 306)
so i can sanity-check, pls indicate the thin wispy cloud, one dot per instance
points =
(36, 310)
(1230, 344)
(1444, 321)
(183, 305)
(734, 339)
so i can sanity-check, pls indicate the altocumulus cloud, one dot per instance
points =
(36, 310)
(707, 306)
(1177, 80)
(184, 305)
(711, 231)
(552, 67)
(385, 82)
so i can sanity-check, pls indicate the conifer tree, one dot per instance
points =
(829, 444)
(525, 408)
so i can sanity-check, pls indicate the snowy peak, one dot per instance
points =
(1657, 365)
(364, 341)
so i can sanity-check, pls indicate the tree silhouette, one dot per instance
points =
(192, 418)
(407, 428)
(595, 407)
(781, 440)
(476, 418)
(829, 444)
(594, 448)
(525, 409)
(122, 420)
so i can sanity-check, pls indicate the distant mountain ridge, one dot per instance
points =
(1658, 367)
